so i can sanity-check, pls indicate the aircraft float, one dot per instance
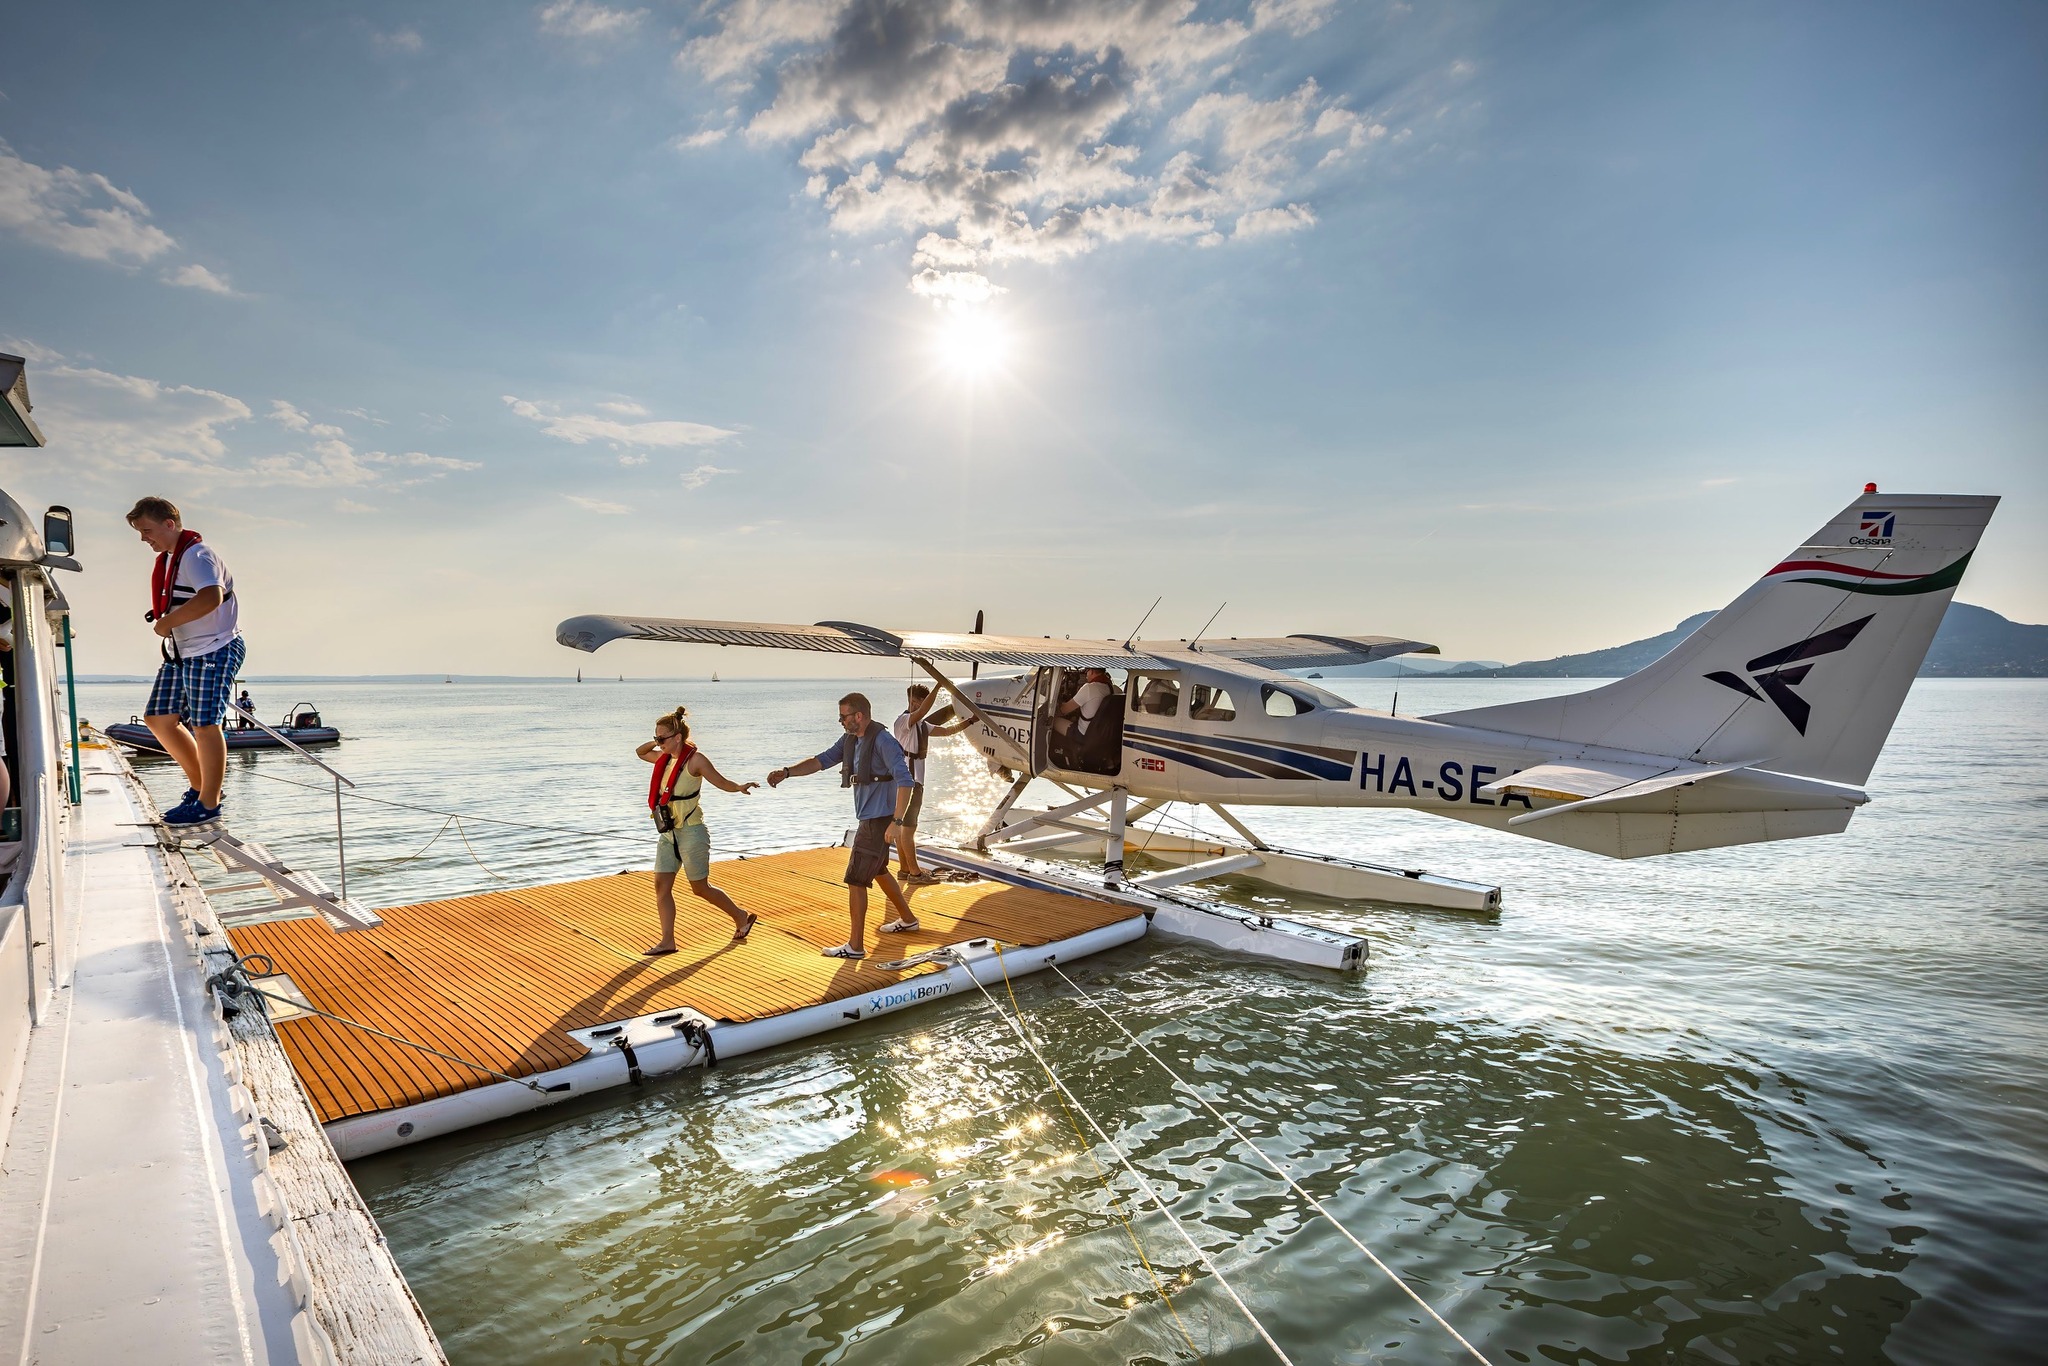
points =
(1761, 725)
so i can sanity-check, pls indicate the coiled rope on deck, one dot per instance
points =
(1278, 1170)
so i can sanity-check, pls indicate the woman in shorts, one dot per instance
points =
(673, 799)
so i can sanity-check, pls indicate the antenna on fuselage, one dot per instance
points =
(1142, 620)
(1210, 622)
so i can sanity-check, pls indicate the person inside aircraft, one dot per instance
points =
(1210, 704)
(1077, 712)
(1088, 726)
(1159, 697)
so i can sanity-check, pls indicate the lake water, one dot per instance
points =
(1774, 1103)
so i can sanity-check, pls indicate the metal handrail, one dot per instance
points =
(340, 839)
(289, 744)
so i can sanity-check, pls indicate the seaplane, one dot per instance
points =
(1763, 724)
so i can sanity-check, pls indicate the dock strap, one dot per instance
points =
(698, 1035)
(633, 1072)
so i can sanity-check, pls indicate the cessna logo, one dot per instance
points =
(1876, 529)
(1780, 671)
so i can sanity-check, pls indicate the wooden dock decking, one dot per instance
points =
(500, 977)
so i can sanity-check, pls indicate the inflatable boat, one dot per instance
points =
(301, 725)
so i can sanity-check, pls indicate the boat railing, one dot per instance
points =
(35, 953)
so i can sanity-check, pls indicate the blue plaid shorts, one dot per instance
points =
(197, 688)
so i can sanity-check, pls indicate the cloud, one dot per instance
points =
(693, 141)
(77, 212)
(598, 505)
(117, 427)
(293, 419)
(702, 475)
(587, 19)
(125, 425)
(581, 429)
(198, 277)
(333, 463)
(624, 408)
(999, 131)
(405, 42)
(1265, 222)
(350, 505)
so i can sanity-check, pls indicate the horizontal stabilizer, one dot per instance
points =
(1573, 779)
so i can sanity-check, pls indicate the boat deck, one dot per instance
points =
(500, 977)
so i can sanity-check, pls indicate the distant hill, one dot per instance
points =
(1409, 666)
(1973, 642)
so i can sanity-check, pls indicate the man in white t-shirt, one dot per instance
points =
(193, 611)
(1077, 711)
(915, 734)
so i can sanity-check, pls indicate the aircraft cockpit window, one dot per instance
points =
(1210, 704)
(1157, 696)
(1280, 702)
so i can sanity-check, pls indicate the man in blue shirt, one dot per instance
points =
(872, 764)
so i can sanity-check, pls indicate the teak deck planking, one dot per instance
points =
(499, 977)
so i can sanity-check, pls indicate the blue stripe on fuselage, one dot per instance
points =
(1313, 765)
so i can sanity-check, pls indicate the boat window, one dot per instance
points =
(1210, 704)
(1155, 696)
(1280, 702)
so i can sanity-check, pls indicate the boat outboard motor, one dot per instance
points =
(306, 720)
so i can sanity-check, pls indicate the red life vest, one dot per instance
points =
(661, 785)
(164, 577)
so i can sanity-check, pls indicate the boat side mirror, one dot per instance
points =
(58, 533)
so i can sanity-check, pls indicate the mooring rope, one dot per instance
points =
(1278, 1170)
(1024, 1037)
(233, 980)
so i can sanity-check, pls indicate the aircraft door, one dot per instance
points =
(1078, 724)
(1044, 692)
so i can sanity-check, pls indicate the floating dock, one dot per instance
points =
(548, 984)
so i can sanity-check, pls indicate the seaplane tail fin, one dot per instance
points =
(1805, 672)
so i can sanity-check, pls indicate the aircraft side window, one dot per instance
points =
(1159, 697)
(1280, 702)
(1210, 704)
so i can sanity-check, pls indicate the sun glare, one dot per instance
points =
(972, 343)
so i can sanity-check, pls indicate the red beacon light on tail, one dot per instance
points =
(1870, 488)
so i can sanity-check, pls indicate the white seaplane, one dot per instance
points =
(1761, 725)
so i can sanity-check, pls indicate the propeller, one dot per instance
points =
(974, 669)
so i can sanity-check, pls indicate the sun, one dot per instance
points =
(972, 343)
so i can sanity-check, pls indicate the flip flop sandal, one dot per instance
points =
(656, 953)
(846, 951)
(740, 935)
(903, 927)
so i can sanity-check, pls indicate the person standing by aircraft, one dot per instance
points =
(193, 610)
(872, 764)
(914, 734)
(674, 799)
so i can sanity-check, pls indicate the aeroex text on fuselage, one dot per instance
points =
(1764, 724)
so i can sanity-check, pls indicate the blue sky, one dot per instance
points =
(1519, 329)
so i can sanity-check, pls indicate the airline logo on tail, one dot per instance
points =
(1877, 529)
(1780, 671)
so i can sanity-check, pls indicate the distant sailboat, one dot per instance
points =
(714, 675)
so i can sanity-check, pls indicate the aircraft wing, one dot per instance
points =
(1301, 652)
(852, 638)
